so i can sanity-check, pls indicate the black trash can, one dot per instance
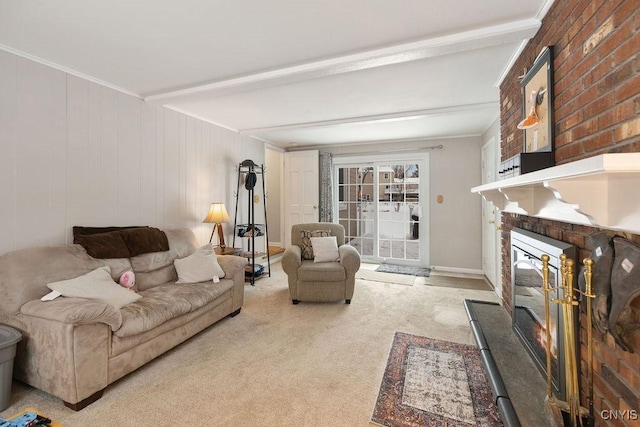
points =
(9, 337)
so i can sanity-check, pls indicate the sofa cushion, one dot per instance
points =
(167, 301)
(157, 268)
(321, 272)
(97, 284)
(154, 308)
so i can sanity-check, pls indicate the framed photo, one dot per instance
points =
(537, 93)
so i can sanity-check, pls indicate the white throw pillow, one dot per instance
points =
(325, 249)
(97, 284)
(200, 266)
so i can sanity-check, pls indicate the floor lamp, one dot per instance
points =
(217, 215)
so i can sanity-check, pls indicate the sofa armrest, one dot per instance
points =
(74, 311)
(231, 264)
(350, 259)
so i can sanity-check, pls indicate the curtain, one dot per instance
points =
(326, 188)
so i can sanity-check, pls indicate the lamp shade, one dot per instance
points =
(217, 214)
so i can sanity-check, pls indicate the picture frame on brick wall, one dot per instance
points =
(537, 101)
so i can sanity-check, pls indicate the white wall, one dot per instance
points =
(76, 153)
(455, 225)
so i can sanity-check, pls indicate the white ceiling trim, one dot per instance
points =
(428, 48)
(544, 9)
(68, 70)
(542, 12)
(379, 118)
(512, 60)
(195, 116)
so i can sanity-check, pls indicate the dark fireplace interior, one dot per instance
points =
(528, 304)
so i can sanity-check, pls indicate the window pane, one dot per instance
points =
(345, 224)
(367, 247)
(413, 250)
(357, 243)
(397, 249)
(384, 248)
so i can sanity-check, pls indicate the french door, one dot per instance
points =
(381, 205)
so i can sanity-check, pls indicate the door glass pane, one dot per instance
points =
(384, 248)
(399, 211)
(383, 225)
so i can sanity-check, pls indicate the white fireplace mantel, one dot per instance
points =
(602, 191)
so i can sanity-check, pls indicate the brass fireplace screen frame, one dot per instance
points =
(528, 301)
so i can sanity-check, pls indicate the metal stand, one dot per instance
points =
(250, 230)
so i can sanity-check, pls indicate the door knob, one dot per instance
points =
(315, 207)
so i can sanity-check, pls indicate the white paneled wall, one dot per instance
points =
(76, 153)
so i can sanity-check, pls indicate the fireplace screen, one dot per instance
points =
(528, 305)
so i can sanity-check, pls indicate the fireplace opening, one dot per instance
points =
(528, 305)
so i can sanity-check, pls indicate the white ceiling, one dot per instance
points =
(290, 71)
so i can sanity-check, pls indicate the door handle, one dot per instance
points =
(491, 221)
(315, 207)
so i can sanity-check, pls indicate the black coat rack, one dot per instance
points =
(248, 175)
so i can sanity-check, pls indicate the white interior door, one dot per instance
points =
(302, 189)
(491, 220)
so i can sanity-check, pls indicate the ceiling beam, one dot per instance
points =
(413, 51)
(379, 118)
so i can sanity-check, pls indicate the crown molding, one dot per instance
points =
(68, 71)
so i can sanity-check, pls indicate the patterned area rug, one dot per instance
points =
(403, 269)
(430, 382)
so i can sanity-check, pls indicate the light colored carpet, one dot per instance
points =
(376, 276)
(275, 364)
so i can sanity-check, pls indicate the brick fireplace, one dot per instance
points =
(597, 110)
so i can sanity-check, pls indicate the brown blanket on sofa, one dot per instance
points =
(120, 242)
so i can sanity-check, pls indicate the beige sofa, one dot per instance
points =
(74, 347)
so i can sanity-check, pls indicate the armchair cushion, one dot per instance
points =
(321, 272)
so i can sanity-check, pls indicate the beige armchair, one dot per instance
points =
(320, 281)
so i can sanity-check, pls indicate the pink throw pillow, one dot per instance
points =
(127, 280)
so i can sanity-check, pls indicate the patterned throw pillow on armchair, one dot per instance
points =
(306, 235)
